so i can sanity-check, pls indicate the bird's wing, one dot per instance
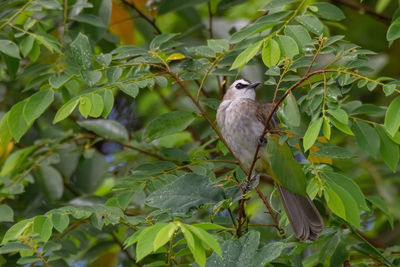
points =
(262, 113)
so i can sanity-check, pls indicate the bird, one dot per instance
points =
(242, 120)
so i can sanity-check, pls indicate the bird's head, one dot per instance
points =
(241, 89)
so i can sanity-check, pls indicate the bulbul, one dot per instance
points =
(242, 121)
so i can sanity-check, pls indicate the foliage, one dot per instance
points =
(110, 153)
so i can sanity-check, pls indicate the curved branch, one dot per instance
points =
(141, 14)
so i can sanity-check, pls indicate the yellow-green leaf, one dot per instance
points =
(312, 133)
(271, 53)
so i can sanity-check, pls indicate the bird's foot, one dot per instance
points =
(261, 141)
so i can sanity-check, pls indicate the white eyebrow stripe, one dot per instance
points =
(241, 81)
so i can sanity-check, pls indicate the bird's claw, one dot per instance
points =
(261, 140)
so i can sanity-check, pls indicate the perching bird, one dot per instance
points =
(242, 121)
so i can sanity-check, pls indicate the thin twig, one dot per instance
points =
(285, 69)
(65, 14)
(114, 236)
(131, 4)
(16, 14)
(215, 62)
(363, 8)
(321, 45)
(271, 212)
(210, 22)
(71, 227)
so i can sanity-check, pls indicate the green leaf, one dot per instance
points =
(209, 226)
(85, 106)
(108, 129)
(285, 167)
(26, 45)
(392, 117)
(246, 55)
(16, 122)
(342, 127)
(186, 193)
(245, 252)
(168, 123)
(194, 245)
(287, 46)
(58, 81)
(130, 89)
(43, 226)
(340, 115)
(291, 112)
(342, 203)
(51, 181)
(175, 5)
(108, 100)
(9, 48)
(35, 52)
(299, 34)
(66, 109)
(16, 230)
(312, 133)
(393, 32)
(51, 246)
(188, 236)
(5, 135)
(326, 128)
(312, 23)
(349, 185)
(371, 85)
(161, 81)
(146, 240)
(82, 52)
(271, 53)
(275, 4)
(388, 149)
(113, 74)
(89, 19)
(15, 159)
(226, 4)
(97, 105)
(6, 213)
(367, 138)
(28, 260)
(49, 41)
(206, 238)
(362, 83)
(128, 51)
(389, 89)
(91, 77)
(332, 151)
(339, 255)
(380, 204)
(164, 235)
(159, 40)
(328, 11)
(104, 59)
(37, 104)
(219, 45)
(264, 22)
(14, 247)
(60, 221)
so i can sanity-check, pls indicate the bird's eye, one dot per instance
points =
(240, 86)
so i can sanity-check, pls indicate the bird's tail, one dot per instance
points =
(303, 215)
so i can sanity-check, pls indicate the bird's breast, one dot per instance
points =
(240, 129)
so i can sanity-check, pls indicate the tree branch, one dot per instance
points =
(114, 236)
(356, 5)
(131, 4)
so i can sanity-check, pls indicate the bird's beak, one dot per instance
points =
(253, 85)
